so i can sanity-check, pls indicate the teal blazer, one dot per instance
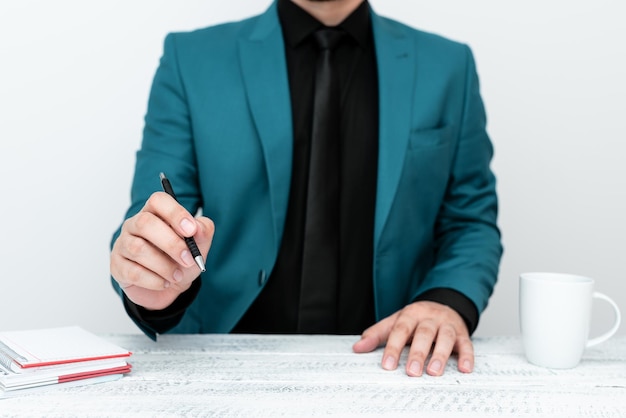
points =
(219, 124)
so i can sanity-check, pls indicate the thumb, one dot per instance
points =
(374, 336)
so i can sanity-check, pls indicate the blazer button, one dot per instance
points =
(262, 277)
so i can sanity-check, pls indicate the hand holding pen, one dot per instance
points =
(158, 253)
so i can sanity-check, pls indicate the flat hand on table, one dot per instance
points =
(426, 326)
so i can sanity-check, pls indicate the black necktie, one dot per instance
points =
(320, 262)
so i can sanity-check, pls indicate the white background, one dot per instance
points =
(74, 82)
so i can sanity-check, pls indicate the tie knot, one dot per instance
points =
(328, 38)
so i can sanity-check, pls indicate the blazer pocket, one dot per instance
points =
(421, 138)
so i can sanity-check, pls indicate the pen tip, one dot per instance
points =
(200, 263)
(161, 175)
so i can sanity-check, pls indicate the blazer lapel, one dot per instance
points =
(264, 70)
(396, 64)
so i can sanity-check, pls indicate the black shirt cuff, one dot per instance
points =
(455, 300)
(160, 321)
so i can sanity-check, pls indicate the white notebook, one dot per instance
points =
(22, 350)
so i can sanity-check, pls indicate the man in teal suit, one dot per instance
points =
(228, 121)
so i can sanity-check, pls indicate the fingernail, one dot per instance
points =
(415, 368)
(187, 227)
(187, 258)
(467, 366)
(435, 366)
(389, 363)
(178, 275)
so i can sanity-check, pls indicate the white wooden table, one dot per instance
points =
(273, 376)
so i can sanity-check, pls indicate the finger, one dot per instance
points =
(165, 208)
(374, 336)
(465, 351)
(401, 333)
(171, 212)
(129, 273)
(143, 261)
(155, 232)
(422, 343)
(446, 338)
(367, 343)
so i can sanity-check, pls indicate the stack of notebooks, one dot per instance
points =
(67, 356)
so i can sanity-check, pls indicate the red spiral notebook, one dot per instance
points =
(50, 356)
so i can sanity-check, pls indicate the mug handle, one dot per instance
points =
(618, 319)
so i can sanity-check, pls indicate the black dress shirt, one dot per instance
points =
(276, 308)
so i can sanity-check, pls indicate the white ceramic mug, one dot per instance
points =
(555, 315)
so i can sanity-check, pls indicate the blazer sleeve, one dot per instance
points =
(467, 239)
(167, 146)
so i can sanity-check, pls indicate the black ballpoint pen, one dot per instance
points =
(191, 243)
